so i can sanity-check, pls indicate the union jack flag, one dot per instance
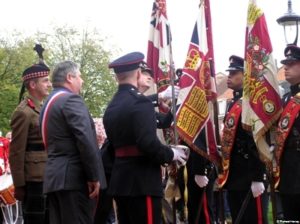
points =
(159, 55)
(195, 116)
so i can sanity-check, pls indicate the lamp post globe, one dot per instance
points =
(290, 22)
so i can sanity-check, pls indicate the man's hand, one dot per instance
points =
(19, 193)
(167, 93)
(201, 180)
(257, 188)
(181, 154)
(94, 188)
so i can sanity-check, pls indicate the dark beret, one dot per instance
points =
(236, 63)
(35, 71)
(292, 53)
(128, 62)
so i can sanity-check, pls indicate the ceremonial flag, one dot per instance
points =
(261, 98)
(159, 56)
(197, 89)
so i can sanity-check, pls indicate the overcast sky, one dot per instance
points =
(126, 22)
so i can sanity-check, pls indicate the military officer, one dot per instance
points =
(130, 124)
(165, 118)
(201, 178)
(27, 154)
(287, 148)
(243, 172)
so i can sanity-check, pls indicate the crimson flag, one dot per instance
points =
(261, 98)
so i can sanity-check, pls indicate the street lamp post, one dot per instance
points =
(290, 22)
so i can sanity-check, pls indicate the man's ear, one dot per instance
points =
(139, 73)
(69, 78)
(32, 84)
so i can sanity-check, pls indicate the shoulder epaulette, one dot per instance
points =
(30, 103)
(135, 92)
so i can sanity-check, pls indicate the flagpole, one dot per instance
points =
(159, 58)
(272, 192)
(218, 140)
(215, 101)
(172, 82)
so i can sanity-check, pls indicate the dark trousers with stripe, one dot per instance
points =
(142, 209)
(200, 203)
(71, 207)
(252, 211)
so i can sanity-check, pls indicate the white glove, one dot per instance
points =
(201, 181)
(181, 154)
(257, 188)
(167, 93)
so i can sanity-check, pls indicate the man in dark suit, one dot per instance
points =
(130, 125)
(287, 150)
(73, 168)
(244, 174)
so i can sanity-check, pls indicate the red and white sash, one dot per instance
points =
(285, 124)
(46, 113)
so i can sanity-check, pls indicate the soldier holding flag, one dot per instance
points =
(287, 148)
(130, 124)
(243, 175)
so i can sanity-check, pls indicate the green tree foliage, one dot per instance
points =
(62, 43)
(15, 55)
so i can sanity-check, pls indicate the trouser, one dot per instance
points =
(221, 207)
(34, 204)
(200, 203)
(291, 206)
(252, 211)
(142, 209)
(71, 206)
(104, 208)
